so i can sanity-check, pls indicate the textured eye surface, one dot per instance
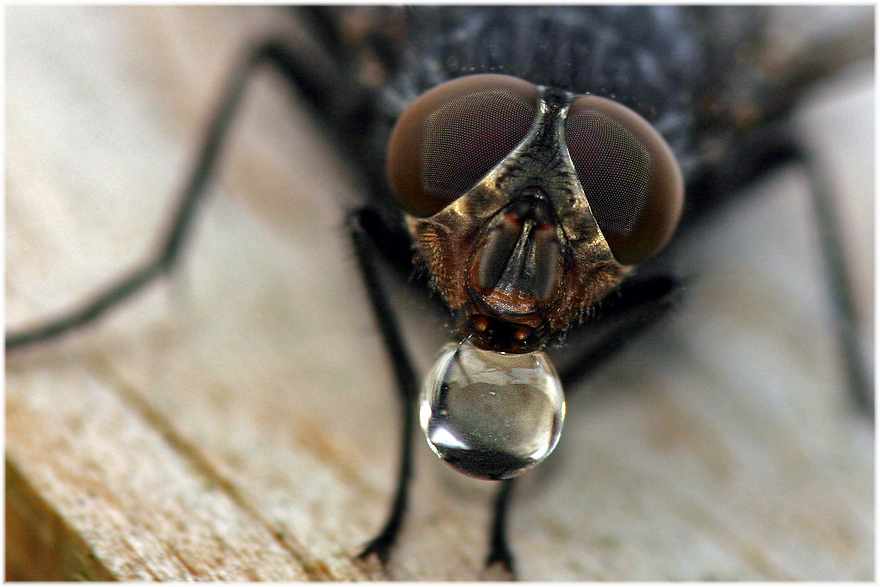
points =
(452, 136)
(629, 175)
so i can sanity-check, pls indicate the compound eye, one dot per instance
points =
(450, 137)
(629, 175)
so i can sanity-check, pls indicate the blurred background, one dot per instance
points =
(252, 390)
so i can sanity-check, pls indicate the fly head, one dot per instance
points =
(528, 205)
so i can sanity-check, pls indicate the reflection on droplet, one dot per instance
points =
(492, 415)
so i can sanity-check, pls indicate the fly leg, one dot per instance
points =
(366, 229)
(499, 550)
(858, 376)
(622, 316)
(162, 261)
(769, 149)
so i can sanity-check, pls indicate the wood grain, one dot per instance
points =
(237, 422)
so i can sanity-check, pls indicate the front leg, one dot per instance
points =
(364, 233)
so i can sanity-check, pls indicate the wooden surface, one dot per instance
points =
(238, 422)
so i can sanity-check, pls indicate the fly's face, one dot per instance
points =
(528, 204)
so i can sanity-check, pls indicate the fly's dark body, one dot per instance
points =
(707, 79)
(649, 59)
(685, 69)
(712, 81)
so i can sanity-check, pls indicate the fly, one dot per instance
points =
(537, 200)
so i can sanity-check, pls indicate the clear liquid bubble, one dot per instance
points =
(492, 415)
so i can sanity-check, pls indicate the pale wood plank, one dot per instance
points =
(131, 503)
(239, 423)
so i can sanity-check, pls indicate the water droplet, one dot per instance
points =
(492, 415)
